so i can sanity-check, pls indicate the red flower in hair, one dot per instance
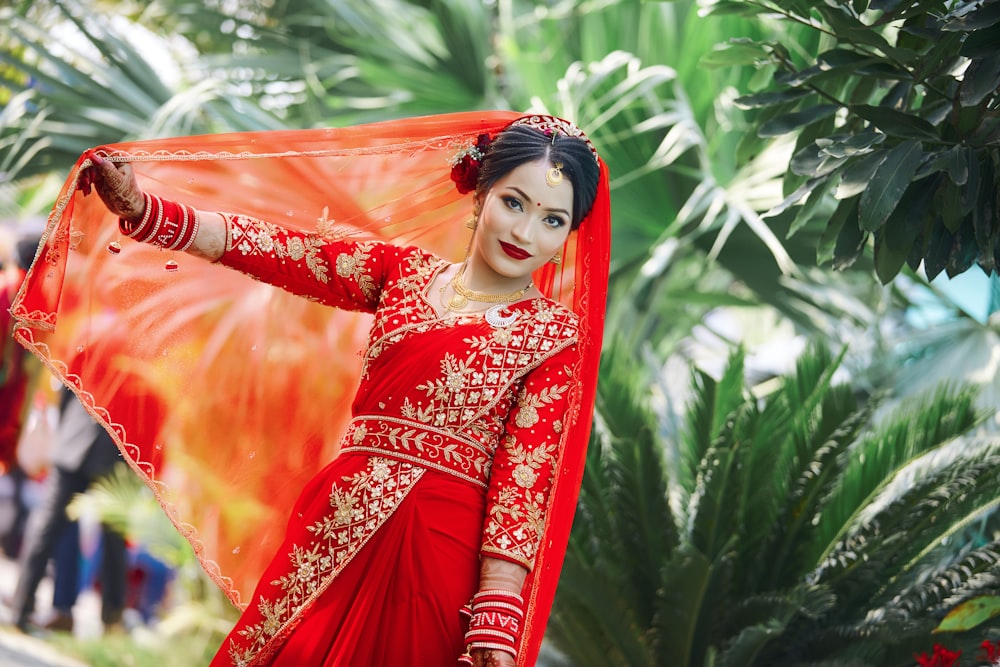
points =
(465, 165)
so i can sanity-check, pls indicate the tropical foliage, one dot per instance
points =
(897, 127)
(695, 543)
(785, 529)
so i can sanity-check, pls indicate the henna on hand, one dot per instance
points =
(488, 658)
(116, 186)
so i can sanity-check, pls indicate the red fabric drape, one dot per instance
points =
(226, 395)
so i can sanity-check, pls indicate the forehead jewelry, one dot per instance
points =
(554, 175)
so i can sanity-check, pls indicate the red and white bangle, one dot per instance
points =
(164, 223)
(495, 623)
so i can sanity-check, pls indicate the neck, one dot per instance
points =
(476, 277)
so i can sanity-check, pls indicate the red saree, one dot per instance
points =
(229, 397)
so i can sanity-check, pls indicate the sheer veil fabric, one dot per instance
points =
(226, 395)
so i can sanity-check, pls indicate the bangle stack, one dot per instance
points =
(164, 223)
(495, 618)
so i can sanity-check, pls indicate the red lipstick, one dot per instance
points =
(514, 251)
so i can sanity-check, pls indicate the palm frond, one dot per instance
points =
(919, 426)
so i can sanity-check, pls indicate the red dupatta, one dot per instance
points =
(226, 395)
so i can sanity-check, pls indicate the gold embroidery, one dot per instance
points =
(360, 506)
(353, 267)
(528, 404)
(465, 457)
(252, 237)
(527, 461)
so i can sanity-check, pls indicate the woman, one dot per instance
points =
(457, 474)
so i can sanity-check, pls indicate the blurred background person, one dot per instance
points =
(82, 452)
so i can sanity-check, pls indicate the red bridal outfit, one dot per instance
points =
(406, 445)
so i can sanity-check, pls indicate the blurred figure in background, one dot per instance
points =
(19, 374)
(82, 452)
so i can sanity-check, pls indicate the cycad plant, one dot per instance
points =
(792, 528)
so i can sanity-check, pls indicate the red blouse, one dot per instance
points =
(455, 394)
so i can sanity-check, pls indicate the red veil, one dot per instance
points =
(226, 395)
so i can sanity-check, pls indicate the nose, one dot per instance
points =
(521, 232)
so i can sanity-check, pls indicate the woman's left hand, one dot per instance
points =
(489, 658)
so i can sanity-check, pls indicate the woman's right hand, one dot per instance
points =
(116, 186)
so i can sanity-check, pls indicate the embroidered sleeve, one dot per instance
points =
(524, 463)
(342, 273)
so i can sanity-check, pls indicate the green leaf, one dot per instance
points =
(802, 191)
(851, 145)
(981, 43)
(855, 177)
(887, 186)
(893, 246)
(958, 164)
(850, 243)
(938, 59)
(793, 121)
(896, 123)
(888, 261)
(970, 193)
(948, 203)
(849, 29)
(970, 614)
(727, 8)
(939, 245)
(769, 98)
(982, 78)
(735, 53)
(885, 5)
(808, 211)
(842, 58)
(987, 15)
(964, 251)
(845, 213)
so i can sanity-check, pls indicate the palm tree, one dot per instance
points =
(785, 529)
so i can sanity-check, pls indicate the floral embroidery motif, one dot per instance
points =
(353, 267)
(252, 237)
(359, 507)
(527, 415)
(517, 519)
(463, 457)
(466, 388)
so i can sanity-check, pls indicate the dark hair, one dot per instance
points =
(25, 250)
(519, 145)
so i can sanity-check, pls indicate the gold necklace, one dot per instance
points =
(463, 295)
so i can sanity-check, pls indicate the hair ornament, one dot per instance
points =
(465, 164)
(554, 175)
(552, 125)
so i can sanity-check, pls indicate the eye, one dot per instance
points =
(554, 221)
(513, 203)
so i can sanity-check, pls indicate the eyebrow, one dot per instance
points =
(525, 195)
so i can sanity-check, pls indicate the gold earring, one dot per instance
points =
(556, 258)
(471, 224)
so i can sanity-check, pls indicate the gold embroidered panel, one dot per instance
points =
(358, 506)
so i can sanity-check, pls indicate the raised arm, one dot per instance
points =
(342, 273)
(118, 189)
